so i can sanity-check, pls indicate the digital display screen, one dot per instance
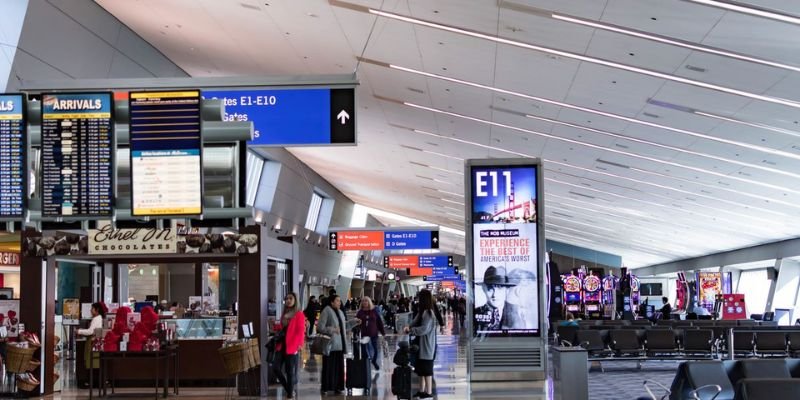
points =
(505, 250)
(572, 297)
(13, 149)
(77, 154)
(166, 153)
(592, 307)
(292, 117)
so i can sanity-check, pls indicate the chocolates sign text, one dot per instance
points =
(132, 241)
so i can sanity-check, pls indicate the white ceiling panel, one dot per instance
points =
(646, 203)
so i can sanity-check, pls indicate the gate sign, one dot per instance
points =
(368, 240)
(440, 262)
(293, 117)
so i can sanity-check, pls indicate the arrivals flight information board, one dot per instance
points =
(77, 154)
(12, 156)
(166, 144)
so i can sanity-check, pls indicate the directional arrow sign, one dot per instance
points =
(293, 117)
(343, 116)
(363, 240)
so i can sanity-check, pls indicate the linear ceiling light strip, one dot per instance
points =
(750, 10)
(671, 41)
(588, 59)
(601, 113)
(549, 136)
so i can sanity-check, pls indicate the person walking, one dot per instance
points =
(332, 322)
(371, 326)
(311, 313)
(424, 327)
(292, 327)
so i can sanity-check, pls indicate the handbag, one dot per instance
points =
(321, 345)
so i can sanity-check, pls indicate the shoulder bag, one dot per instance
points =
(321, 345)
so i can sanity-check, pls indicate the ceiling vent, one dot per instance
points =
(424, 177)
(562, 214)
(647, 114)
(621, 146)
(415, 90)
(418, 163)
(410, 147)
(582, 195)
(250, 6)
(695, 69)
(768, 162)
(432, 144)
(613, 164)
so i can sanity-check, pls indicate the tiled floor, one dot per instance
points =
(620, 380)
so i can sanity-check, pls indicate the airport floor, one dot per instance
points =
(621, 380)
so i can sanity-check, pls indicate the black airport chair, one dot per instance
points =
(743, 343)
(641, 322)
(794, 344)
(746, 322)
(660, 342)
(591, 340)
(567, 333)
(626, 342)
(704, 380)
(698, 342)
(767, 389)
(748, 369)
(771, 344)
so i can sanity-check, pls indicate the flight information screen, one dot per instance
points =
(12, 156)
(166, 145)
(77, 154)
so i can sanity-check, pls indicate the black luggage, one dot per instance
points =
(401, 382)
(357, 374)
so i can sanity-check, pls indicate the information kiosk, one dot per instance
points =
(505, 268)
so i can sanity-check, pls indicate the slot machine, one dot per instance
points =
(681, 293)
(592, 296)
(635, 297)
(609, 296)
(572, 294)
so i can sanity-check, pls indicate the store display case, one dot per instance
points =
(197, 328)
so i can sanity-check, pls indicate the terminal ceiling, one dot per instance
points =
(655, 149)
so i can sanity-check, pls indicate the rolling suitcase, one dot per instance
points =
(401, 382)
(357, 373)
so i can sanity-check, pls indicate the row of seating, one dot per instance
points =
(734, 380)
(600, 324)
(691, 342)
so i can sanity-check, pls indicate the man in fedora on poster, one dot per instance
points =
(495, 285)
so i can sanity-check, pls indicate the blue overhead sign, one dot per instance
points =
(439, 278)
(435, 261)
(292, 117)
(411, 240)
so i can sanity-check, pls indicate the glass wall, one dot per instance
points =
(755, 286)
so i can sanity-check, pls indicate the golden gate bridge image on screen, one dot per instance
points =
(511, 209)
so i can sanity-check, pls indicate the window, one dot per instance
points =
(313, 211)
(755, 286)
(255, 165)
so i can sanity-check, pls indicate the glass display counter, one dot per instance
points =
(197, 328)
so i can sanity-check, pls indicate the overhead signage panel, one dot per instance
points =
(401, 262)
(435, 261)
(419, 271)
(367, 240)
(77, 154)
(440, 278)
(166, 153)
(13, 149)
(293, 117)
(411, 240)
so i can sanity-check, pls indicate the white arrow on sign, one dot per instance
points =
(435, 240)
(343, 116)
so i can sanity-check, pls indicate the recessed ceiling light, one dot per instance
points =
(671, 41)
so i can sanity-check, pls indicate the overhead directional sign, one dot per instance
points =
(293, 117)
(419, 271)
(441, 262)
(366, 240)
(438, 278)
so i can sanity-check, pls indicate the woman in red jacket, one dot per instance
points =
(293, 329)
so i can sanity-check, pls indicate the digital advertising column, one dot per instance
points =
(13, 148)
(505, 269)
(77, 154)
(166, 153)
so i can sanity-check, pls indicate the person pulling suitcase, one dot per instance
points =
(358, 374)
